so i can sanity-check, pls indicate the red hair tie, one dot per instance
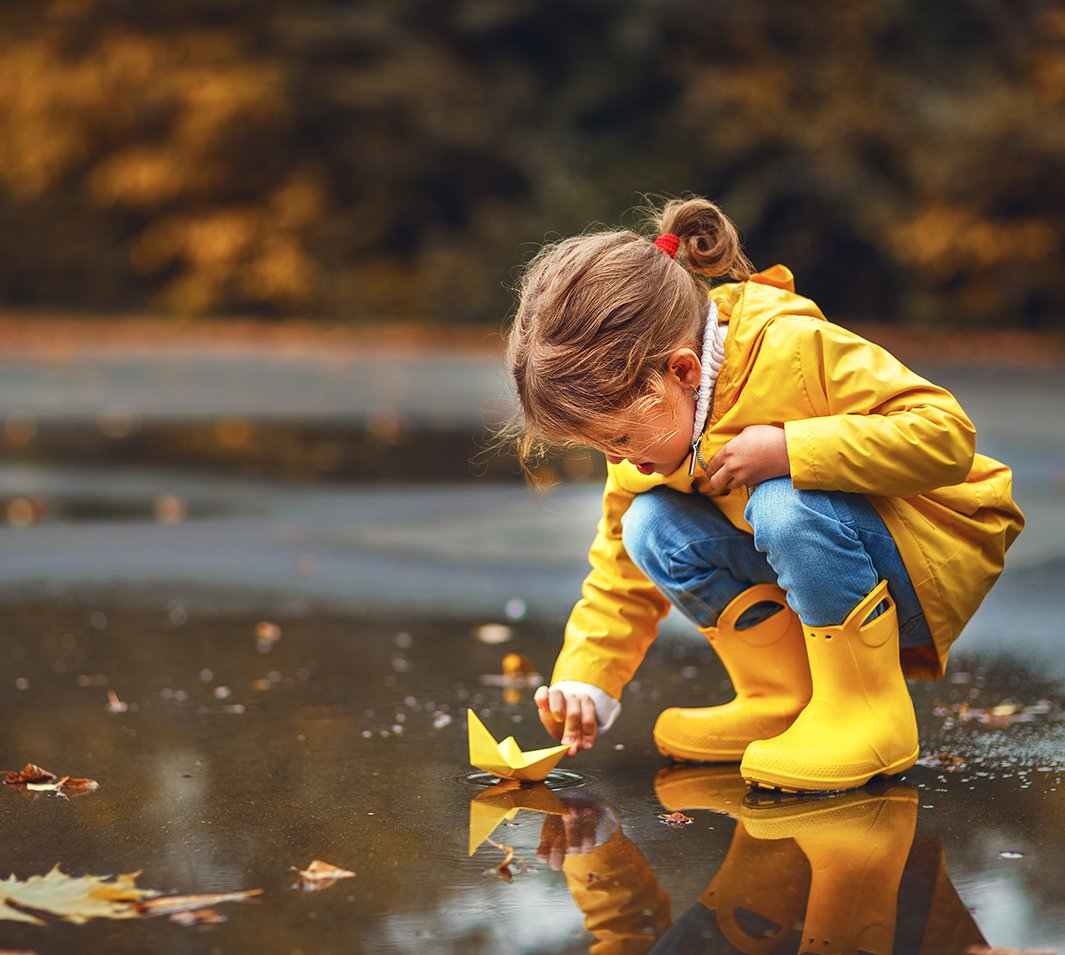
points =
(668, 243)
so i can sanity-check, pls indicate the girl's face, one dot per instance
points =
(655, 439)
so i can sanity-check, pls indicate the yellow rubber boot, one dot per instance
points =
(857, 845)
(860, 721)
(769, 671)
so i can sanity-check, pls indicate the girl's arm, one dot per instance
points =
(882, 429)
(608, 632)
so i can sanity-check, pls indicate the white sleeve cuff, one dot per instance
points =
(606, 707)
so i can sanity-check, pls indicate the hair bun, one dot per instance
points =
(708, 239)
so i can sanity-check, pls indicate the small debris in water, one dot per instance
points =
(169, 904)
(32, 779)
(198, 917)
(494, 634)
(942, 760)
(114, 704)
(503, 870)
(403, 640)
(675, 820)
(1010, 854)
(321, 875)
(1000, 715)
(440, 720)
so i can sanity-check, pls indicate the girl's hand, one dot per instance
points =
(756, 454)
(569, 717)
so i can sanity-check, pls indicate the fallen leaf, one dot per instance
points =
(321, 875)
(170, 904)
(31, 780)
(675, 820)
(76, 899)
(29, 774)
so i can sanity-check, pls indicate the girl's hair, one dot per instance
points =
(600, 314)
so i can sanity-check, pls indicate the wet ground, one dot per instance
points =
(231, 753)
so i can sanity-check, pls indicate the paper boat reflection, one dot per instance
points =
(503, 801)
(506, 759)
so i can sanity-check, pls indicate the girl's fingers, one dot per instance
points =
(572, 732)
(589, 723)
(557, 701)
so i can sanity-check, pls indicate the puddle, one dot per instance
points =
(231, 760)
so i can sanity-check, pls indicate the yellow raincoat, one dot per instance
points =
(856, 419)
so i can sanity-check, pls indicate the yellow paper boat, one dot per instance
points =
(503, 801)
(506, 759)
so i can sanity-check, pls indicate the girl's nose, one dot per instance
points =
(614, 458)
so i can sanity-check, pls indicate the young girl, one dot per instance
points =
(814, 507)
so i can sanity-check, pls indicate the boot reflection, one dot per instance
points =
(857, 845)
(754, 904)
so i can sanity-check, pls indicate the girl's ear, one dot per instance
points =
(684, 365)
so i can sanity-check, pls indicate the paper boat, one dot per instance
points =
(506, 759)
(503, 801)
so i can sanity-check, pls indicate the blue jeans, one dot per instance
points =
(826, 549)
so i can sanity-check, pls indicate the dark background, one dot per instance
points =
(382, 161)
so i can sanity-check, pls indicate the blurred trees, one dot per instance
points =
(373, 160)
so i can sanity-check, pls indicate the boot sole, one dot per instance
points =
(792, 784)
(680, 754)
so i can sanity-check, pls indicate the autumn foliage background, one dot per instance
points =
(382, 161)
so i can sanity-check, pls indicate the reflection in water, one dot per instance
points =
(624, 907)
(839, 875)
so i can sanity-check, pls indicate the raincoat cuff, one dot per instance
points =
(606, 707)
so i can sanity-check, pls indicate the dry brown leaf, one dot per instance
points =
(170, 904)
(321, 875)
(31, 780)
(29, 774)
(675, 820)
(76, 899)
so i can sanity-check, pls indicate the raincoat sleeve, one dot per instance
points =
(882, 430)
(617, 617)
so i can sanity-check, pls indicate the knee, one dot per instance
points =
(645, 528)
(775, 512)
(638, 527)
